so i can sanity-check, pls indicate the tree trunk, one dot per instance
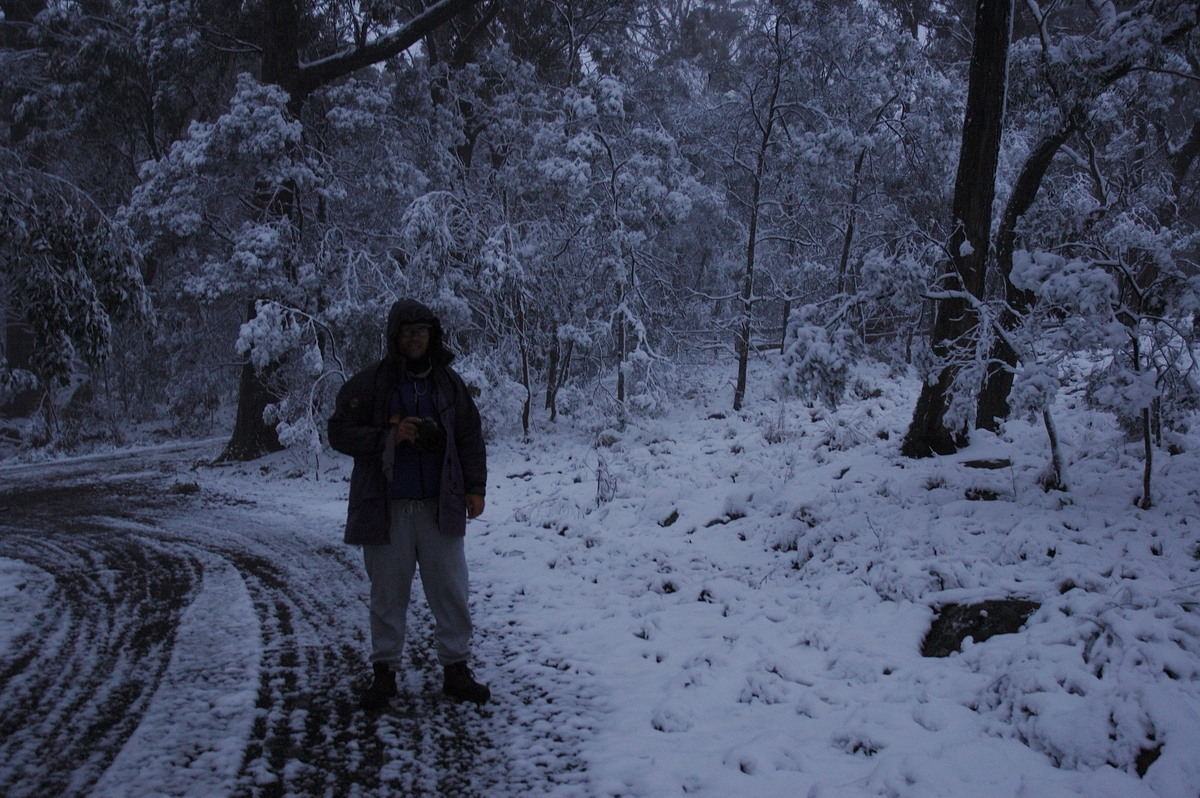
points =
(993, 398)
(552, 376)
(851, 219)
(974, 190)
(560, 369)
(1148, 467)
(1058, 463)
(622, 345)
(1145, 501)
(787, 316)
(526, 379)
(252, 436)
(743, 339)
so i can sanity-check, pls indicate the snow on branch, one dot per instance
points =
(317, 73)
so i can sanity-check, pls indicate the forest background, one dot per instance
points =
(207, 207)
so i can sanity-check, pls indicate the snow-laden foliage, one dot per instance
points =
(665, 181)
(1098, 308)
(499, 396)
(1074, 313)
(816, 359)
(69, 271)
(824, 341)
(253, 153)
(1110, 698)
(611, 186)
(823, 155)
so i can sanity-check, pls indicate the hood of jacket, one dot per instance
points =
(410, 311)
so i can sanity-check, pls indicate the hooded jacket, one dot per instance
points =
(360, 428)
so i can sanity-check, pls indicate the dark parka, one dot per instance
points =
(359, 427)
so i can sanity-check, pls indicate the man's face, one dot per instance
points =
(413, 340)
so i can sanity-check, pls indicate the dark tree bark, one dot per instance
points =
(557, 372)
(843, 283)
(743, 339)
(993, 398)
(974, 189)
(524, 344)
(993, 404)
(252, 437)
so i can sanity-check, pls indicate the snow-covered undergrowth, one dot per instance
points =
(746, 610)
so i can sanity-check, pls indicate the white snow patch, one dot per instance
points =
(192, 737)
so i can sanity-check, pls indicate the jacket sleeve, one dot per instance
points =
(468, 439)
(351, 429)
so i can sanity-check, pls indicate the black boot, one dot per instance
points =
(382, 689)
(460, 684)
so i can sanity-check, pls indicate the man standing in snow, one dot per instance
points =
(420, 470)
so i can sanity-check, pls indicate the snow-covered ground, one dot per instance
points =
(718, 603)
(746, 613)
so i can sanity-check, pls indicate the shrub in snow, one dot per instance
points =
(824, 341)
(1134, 328)
(289, 345)
(816, 360)
(646, 382)
(672, 717)
(14, 381)
(1035, 387)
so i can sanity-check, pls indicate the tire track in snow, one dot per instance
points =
(75, 682)
(103, 658)
(211, 682)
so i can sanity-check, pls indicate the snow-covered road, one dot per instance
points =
(168, 641)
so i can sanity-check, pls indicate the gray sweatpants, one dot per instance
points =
(416, 542)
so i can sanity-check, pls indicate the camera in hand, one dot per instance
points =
(430, 435)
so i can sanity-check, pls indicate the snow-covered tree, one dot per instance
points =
(619, 182)
(69, 271)
(956, 324)
(260, 234)
(855, 160)
(1099, 89)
